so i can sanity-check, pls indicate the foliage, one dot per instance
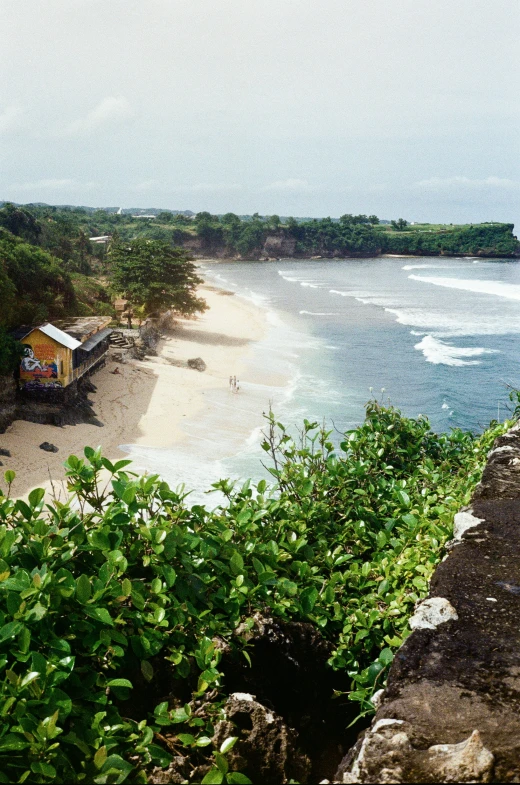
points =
(481, 239)
(10, 352)
(113, 604)
(399, 225)
(155, 275)
(93, 296)
(64, 232)
(33, 284)
(20, 222)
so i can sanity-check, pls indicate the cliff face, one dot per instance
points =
(279, 244)
(451, 710)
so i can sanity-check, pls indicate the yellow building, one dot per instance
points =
(56, 355)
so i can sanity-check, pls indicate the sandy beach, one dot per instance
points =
(147, 401)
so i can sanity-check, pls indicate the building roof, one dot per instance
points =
(93, 341)
(82, 327)
(52, 332)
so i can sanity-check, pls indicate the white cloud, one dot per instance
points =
(64, 184)
(291, 184)
(146, 185)
(443, 183)
(209, 188)
(10, 118)
(109, 111)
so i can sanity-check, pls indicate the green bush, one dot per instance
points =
(113, 604)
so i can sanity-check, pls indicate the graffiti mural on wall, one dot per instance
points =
(38, 367)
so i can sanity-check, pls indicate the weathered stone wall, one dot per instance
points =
(451, 709)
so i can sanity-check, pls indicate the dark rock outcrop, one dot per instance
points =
(267, 749)
(48, 447)
(197, 363)
(456, 680)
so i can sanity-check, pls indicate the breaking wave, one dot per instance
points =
(441, 353)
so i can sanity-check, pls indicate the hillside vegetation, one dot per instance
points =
(127, 617)
(64, 232)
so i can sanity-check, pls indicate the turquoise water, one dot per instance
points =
(441, 336)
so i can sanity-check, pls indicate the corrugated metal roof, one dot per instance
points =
(59, 336)
(95, 339)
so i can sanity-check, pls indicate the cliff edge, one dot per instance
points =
(451, 709)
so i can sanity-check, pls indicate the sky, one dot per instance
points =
(399, 108)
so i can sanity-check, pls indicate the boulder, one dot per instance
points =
(267, 749)
(48, 447)
(197, 363)
(5, 452)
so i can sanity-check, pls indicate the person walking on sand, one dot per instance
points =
(230, 382)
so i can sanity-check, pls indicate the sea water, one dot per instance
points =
(439, 336)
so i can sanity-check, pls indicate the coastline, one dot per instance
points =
(147, 402)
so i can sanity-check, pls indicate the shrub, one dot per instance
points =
(115, 606)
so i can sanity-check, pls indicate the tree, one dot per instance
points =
(152, 274)
(399, 225)
(20, 222)
(34, 287)
(164, 217)
(10, 352)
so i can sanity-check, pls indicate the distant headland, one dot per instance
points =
(257, 237)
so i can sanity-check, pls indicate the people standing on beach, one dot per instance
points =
(230, 382)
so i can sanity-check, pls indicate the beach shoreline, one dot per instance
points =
(146, 403)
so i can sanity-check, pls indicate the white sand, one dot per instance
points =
(146, 402)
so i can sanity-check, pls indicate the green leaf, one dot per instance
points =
(237, 778)
(203, 741)
(236, 563)
(170, 575)
(9, 631)
(119, 683)
(9, 476)
(147, 670)
(39, 767)
(383, 587)
(403, 498)
(259, 567)
(213, 777)
(187, 739)
(83, 589)
(28, 678)
(228, 744)
(386, 656)
(221, 762)
(35, 496)
(11, 743)
(100, 756)
(308, 599)
(101, 614)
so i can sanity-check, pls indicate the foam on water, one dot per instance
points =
(431, 267)
(496, 288)
(320, 313)
(442, 353)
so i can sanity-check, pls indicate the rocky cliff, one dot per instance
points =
(451, 709)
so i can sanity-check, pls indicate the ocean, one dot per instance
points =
(432, 336)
